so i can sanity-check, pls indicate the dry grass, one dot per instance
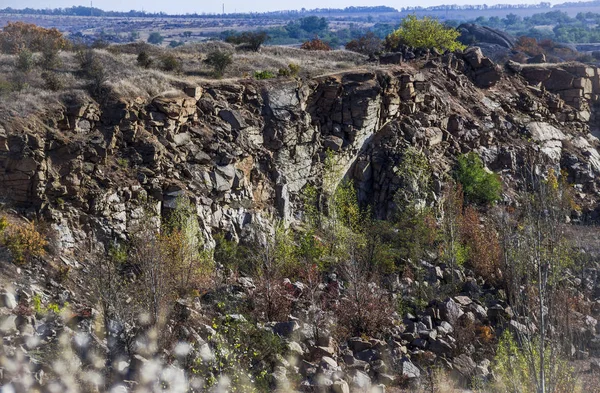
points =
(127, 80)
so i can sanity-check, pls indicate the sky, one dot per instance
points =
(208, 6)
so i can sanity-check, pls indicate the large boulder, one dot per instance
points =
(481, 69)
(409, 370)
(464, 369)
(340, 386)
(450, 311)
(472, 34)
(542, 132)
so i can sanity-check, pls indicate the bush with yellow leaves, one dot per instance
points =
(24, 241)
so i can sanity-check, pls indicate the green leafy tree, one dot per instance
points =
(536, 255)
(249, 40)
(479, 185)
(155, 38)
(424, 33)
(313, 24)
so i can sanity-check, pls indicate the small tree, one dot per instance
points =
(92, 68)
(170, 63)
(452, 206)
(316, 44)
(52, 81)
(369, 44)
(424, 33)
(18, 35)
(156, 38)
(144, 60)
(415, 221)
(479, 185)
(50, 59)
(24, 242)
(249, 40)
(364, 308)
(313, 24)
(276, 261)
(134, 36)
(219, 61)
(175, 44)
(25, 62)
(536, 254)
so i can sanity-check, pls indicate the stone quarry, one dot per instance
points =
(242, 153)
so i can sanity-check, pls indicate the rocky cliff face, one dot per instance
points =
(244, 151)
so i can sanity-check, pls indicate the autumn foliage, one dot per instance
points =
(552, 50)
(24, 242)
(529, 46)
(19, 35)
(369, 44)
(316, 44)
(482, 243)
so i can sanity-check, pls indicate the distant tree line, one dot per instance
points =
(445, 7)
(554, 25)
(311, 27)
(92, 11)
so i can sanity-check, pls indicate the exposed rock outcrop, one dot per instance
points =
(244, 151)
(471, 33)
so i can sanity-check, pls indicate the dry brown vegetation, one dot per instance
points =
(26, 93)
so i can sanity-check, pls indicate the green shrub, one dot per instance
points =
(479, 186)
(144, 60)
(20, 81)
(219, 61)
(50, 59)
(292, 70)
(170, 63)
(424, 33)
(155, 38)
(244, 353)
(516, 367)
(37, 303)
(232, 255)
(3, 223)
(260, 75)
(25, 62)
(53, 81)
(92, 69)
(5, 87)
(175, 44)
